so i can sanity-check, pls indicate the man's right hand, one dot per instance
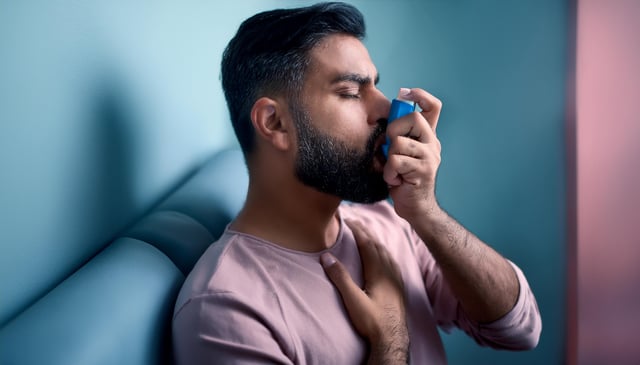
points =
(377, 311)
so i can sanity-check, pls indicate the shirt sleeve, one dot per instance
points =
(519, 329)
(221, 329)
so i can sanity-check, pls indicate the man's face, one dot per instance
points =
(341, 123)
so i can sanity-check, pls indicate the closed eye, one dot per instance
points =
(350, 96)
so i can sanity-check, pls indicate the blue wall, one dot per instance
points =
(500, 69)
(105, 106)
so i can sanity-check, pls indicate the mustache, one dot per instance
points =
(381, 129)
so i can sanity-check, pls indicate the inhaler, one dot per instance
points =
(399, 108)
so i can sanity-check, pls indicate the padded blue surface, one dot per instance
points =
(117, 308)
(114, 310)
(223, 180)
(177, 235)
(105, 106)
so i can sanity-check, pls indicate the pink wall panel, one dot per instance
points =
(608, 181)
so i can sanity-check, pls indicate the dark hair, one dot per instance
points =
(269, 56)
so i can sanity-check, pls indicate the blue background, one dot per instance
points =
(105, 107)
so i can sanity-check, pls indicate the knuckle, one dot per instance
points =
(393, 161)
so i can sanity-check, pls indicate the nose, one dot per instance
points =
(380, 107)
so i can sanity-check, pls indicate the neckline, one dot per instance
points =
(334, 246)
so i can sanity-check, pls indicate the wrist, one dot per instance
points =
(425, 214)
(390, 346)
(389, 354)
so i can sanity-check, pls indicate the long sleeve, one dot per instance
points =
(519, 329)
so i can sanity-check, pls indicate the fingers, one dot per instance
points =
(339, 276)
(413, 126)
(430, 105)
(407, 146)
(368, 252)
(372, 254)
(374, 257)
(355, 300)
(381, 308)
(421, 125)
(413, 170)
(414, 151)
(377, 262)
(412, 136)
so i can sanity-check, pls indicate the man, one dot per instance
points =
(301, 277)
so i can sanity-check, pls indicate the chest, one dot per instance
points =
(319, 327)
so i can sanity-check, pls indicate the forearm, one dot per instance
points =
(386, 356)
(482, 280)
(392, 348)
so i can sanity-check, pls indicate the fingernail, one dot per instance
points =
(327, 260)
(404, 92)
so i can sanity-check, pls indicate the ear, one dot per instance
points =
(267, 118)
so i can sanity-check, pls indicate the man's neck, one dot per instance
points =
(290, 215)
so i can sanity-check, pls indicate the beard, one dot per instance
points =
(331, 166)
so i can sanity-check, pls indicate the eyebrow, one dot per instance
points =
(357, 78)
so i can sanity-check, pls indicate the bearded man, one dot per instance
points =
(319, 267)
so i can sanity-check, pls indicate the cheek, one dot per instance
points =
(345, 119)
(349, 125)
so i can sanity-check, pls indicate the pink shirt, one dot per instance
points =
(250, 301)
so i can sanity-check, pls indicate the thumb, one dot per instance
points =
(341, 278)
(355, 300)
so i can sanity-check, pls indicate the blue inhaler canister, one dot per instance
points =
(399, 108)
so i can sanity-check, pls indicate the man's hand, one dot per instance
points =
(484, 282)
(378, 311)
(414, 157)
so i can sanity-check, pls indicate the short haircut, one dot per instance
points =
(269, 56)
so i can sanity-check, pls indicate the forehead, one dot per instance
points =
(338, 54)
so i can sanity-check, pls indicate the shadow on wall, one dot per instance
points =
(109, 184)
